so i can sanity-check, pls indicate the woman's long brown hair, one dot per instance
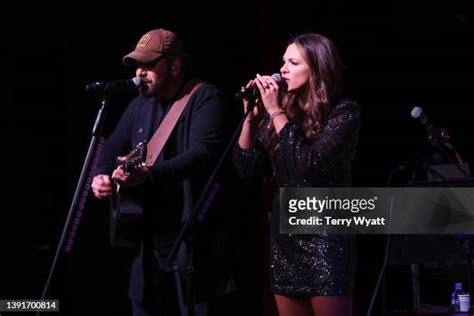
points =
(323, 90)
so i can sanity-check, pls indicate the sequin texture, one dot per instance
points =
(306, 265)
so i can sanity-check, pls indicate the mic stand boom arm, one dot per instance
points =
(436, 143)
(200, 209)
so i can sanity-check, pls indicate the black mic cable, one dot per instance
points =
(386, 244)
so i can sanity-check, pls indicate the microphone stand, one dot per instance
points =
(200, 209)
(436, 143)
(96, 132)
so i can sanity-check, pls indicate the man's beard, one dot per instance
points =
(150, 90)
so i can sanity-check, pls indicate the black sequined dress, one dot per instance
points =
(308, 265)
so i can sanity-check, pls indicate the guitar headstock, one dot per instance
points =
(136, 158)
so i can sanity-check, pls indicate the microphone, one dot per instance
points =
(252, 92)
(435, 134)
(109, 86)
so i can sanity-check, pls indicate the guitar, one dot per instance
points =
(126, 208)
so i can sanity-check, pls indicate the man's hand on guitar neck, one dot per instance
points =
(136, 177)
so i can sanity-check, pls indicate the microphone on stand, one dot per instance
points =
(253, 92)
(114, 85)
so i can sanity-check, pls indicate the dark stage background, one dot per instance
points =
(398, 54)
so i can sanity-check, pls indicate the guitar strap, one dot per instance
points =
(126, 211)
(158, 140)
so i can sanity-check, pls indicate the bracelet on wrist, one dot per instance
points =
(275, 114)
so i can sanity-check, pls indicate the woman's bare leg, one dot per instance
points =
(332, 305)
(293, 306)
